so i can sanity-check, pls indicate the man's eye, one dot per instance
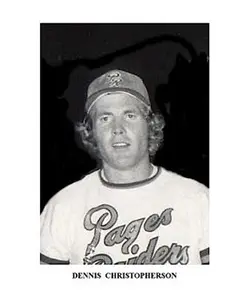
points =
(104, 119)
(131, 116)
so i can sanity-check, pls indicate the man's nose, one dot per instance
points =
(118, 127)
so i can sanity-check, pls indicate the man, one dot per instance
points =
(129, 211)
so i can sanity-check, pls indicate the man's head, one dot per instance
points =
(113, 82)
(120, 127)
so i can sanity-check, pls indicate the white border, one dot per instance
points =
(22, 276)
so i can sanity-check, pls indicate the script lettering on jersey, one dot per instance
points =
(102, 220)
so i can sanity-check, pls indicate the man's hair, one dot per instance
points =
(155, 122)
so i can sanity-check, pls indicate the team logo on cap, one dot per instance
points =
(114, 79)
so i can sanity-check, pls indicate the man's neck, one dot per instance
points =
(137, 173)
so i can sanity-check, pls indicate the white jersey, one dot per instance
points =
(161, 220)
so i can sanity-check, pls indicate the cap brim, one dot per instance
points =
(96, 96)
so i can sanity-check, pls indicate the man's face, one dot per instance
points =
(120, 130)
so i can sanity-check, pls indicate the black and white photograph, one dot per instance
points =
(124, 141)
(124, 144)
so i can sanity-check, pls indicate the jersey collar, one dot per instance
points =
(153, 176)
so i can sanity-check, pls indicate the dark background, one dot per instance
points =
(172, 60)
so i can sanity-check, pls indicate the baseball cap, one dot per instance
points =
(117, 81)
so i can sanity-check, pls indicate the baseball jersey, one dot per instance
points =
(160, 220)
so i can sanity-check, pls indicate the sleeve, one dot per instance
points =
(204, 237)
(54, 235)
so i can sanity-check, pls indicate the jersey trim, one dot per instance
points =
(52, 261)
(204, 252)
(204, 255)
(129, 185)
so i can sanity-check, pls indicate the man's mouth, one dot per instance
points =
(120, 145)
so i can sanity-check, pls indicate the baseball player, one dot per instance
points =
(129, 211)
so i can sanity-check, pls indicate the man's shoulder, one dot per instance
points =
(183, 183)
(76, 190)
